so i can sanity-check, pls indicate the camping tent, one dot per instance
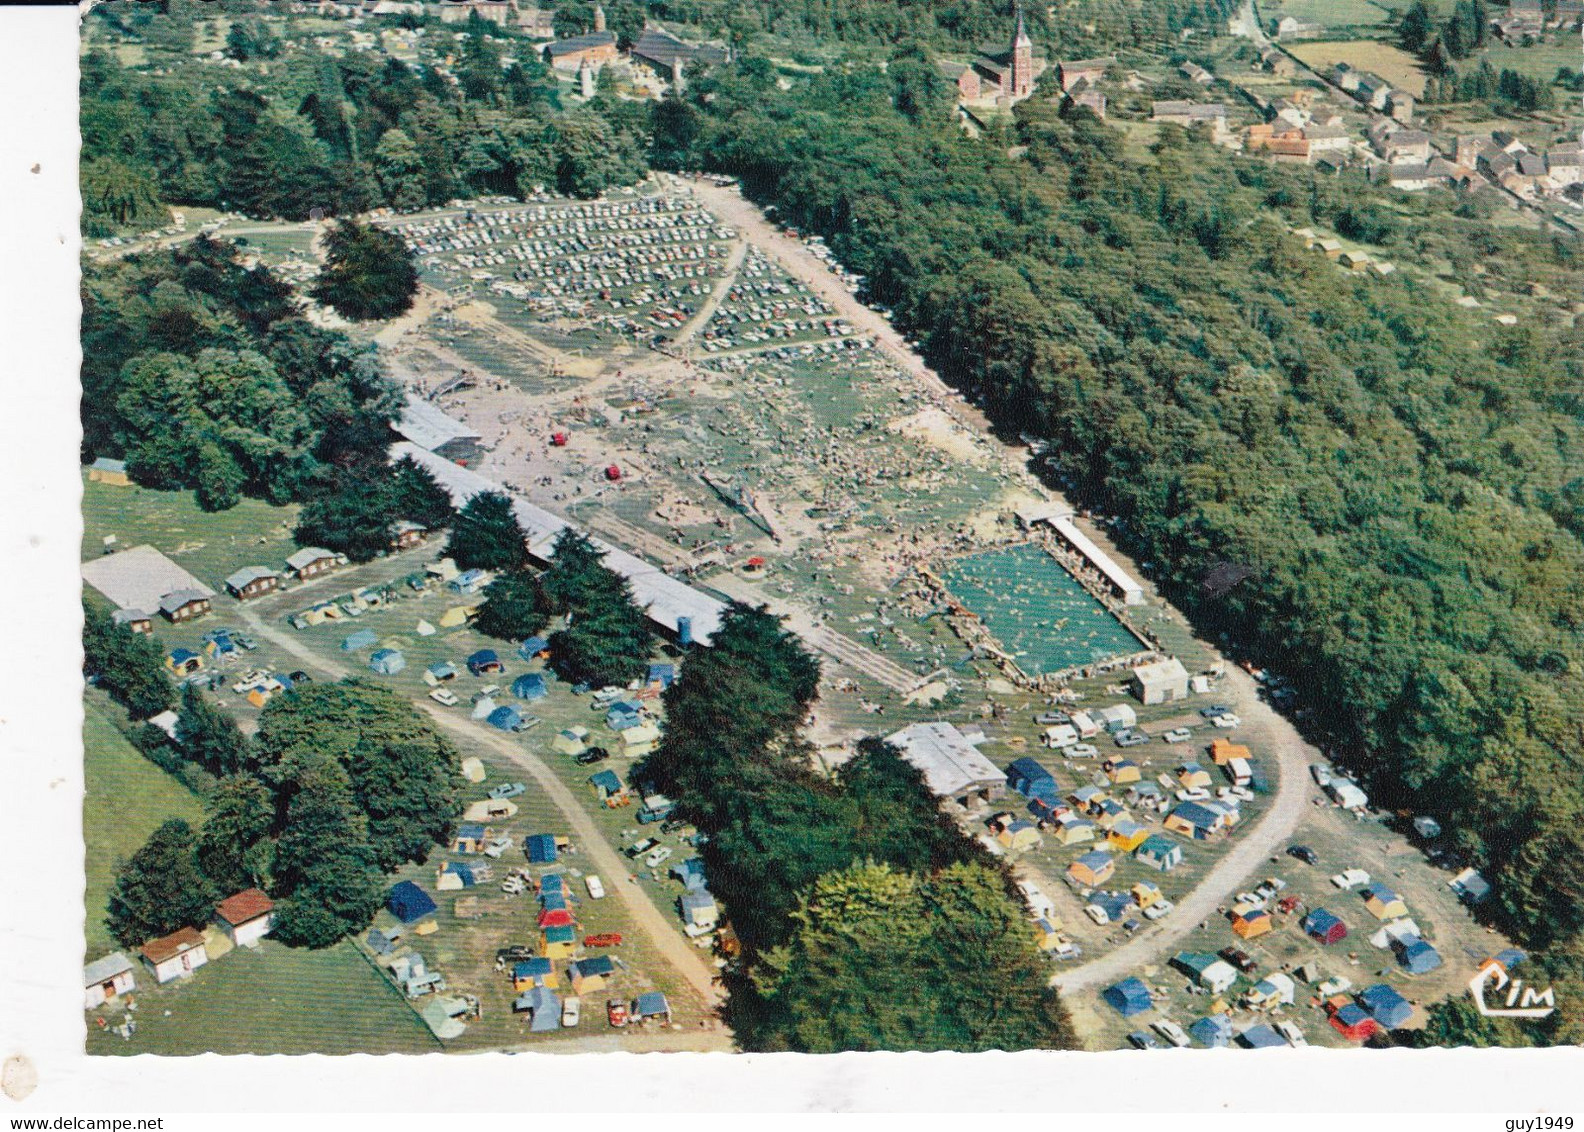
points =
(484, 661)
(530, 686)
(362, 639)
(1417, 956)
(1129, 997)
(651, 1004)
(507, 718)
(541, 848)
(1353, 1023)
(1261, 1036)
(1324, 927)
(1386, 1006)
(387, 662)
(409, 903)
(1032, 780)
(1212, 1031)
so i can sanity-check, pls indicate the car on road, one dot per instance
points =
(1130, 738)
(656, 857)
(1172, 1032)
(595, 886)
(591, 756)
(508, 790)
(1214, 710)
(444, 696)
(571, 1011)
(1303, 853)
(1142, 1039)
(1178, 735)
(1242, 960)
(639, 848)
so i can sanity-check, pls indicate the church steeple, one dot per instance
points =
(599, 18)
(1020, 35)
(1020, 61)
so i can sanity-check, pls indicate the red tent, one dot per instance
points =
(558, 439)
(1352, 1023)
(612, 472)
(555, 917)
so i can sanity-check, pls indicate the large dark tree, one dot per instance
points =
(326, 872)
(161, 888)
(128, 665)
(209, 735)
(368, 273)
(514, 607)
(485, 535)
(234, 849)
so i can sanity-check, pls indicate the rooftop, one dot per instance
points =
(428, 427)
(950, 764)
(139, 578)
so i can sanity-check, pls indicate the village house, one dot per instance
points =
(1070, 71)
(311, 561)
(596, 48)
(1194, 73)
(1159, 682)
(142, 580)
(134, 619)
(1189, 113)
(106, 979)
(1373, 90)
(176, 955)
(246, 918)
(1084, 95)
(1564, 165)
(1400, 105)
(252, 581)
(184, 605)
(1278, 63)
(663, 53)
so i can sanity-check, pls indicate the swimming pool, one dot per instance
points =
(1038, 611)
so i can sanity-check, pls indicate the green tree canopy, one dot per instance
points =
(368, 273)
(485, 535)
(160, 889)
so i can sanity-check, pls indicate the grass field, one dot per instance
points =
(1393, 64)
(1540, 61)
(209, 545)
(272, 1000)
(127, 797)
(1335, 13)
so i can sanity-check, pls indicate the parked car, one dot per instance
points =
(444, 696)
(1082, 751)
(656, 857)
(497, 846)
(1172, 1032)
(1178, 735)
(1350, 878)
(517, 953)
(1242, 960)
(247, 644)
(1303, 853)
(675, 825)
(639, 848)
(616, 1012)
(507, 790)
(1269, 887)
(1159, 910)
(591, 756)
(1193, 794)
(1214, 710)
(1228, 720)
(1097, 914)
(1292, 1033)
(571, 1011)
(1321, 774)
(1129, 738)
(603, 939)
(1142, 1039)
(595, 886)
(1050, 718)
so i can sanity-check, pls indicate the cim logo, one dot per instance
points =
(1519, 1002)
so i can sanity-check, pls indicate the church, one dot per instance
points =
(1005, 76)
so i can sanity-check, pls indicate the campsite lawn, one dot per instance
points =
(127, 798)
(274, 999)
(209, 544)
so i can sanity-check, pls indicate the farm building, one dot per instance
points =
(107, 978)
(107, 471)
(247, 917)
(425, 425)
(1206, 970)
(1160, 682)
(1324, 927)
(1249, 922)
(387, 662)
(176, 955)
(252, 581)
(1417, 957)
(1094, 867)
(1129, 997)
(409, 903)
(952, 766)
(362, 639)
(676, 607)
(1390, 1009)
(142, 579)
(1159, 852)
(1029, 778)
(311, 561)
(1213, 1031)
(1383, 903)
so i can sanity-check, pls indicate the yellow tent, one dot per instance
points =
(457, 615)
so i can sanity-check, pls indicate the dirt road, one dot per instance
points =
(1249, 849)
(685, 958)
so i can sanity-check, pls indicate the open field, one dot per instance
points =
(1393, 64)
(272, 999)
(1335, 13)
(1542, 61)
(127, 797)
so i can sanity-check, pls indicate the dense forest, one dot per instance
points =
(1402, 483)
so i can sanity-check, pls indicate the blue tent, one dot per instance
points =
(1324, 926)
(456, 868)
(591, 965)
(1261, 1037)
(481, 660)
(1113, 904)
(543, 1007)
(443, 670)
(1213, 1031)
(651, 1004)
(606, 783)
(387, 662)
(690, 872)
(409, 903)
(530, 686)
(553, 901)
(1510, 958)
(1386, 1006)
(1417, 956)
(532, 647)
(552, 883)
(506, 718)
(662, 674)
(541, 848)
(380, 943)
(362, 639)
(1127, 998)
(536, 968)
(622, 716)
(1032, 780)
